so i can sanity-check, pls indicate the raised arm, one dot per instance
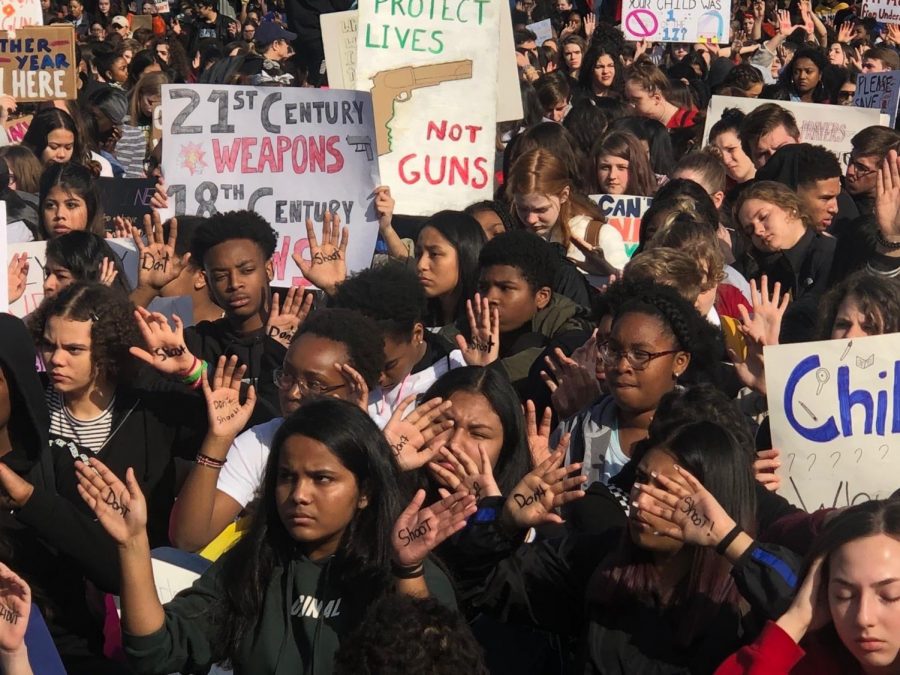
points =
(202, 511)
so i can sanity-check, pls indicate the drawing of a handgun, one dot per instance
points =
(361, 144)
(390, 86)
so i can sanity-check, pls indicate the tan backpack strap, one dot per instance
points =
(592, 233)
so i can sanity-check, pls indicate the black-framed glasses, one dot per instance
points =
(861, 169)
(286, 382)
(637, 358)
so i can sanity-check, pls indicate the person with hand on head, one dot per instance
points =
(82, 256)
(328, 539)
(671, 589)
(337, 353)
(844, 618)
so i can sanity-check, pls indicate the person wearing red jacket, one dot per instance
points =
(846, 614)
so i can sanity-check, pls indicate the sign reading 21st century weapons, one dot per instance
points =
(431, 67)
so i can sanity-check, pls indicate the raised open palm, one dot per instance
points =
(227, 416)
(418, 531)
(120, 507)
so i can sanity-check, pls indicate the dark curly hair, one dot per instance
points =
(402, 634)
(222, 227)
(878, 299)
(680, 319)
(526, 251)
(390, 294)
(494, 206)
(113, 329)
(360, 334)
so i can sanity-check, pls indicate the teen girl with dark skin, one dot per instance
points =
(668, 592)
(330, 525)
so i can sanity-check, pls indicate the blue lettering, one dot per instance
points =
(821, 434)
(847, 399)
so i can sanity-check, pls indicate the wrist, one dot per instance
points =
(15, 658)
(794, 624)
(136, 546)
(409, 571)
(721, 530)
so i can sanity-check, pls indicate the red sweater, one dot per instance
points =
(776, 653)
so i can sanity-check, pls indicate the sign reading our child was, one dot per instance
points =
(289, 154)
(38, 63)
(677, 20)
(834, 407)
(432, 70)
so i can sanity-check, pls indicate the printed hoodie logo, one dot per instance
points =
(310, 606)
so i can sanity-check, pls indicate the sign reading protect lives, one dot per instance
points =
(834, 407)
(677, 20)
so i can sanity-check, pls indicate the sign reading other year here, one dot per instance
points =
(288, 154)
(834, 407)
(38, 63)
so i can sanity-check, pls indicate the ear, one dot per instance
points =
(363, 501)
(270, 269)
(564, 195)
(718, 198)
(680, 364)
(543, 296)
(418, 334)
(199, 280)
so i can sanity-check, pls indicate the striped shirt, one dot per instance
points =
(88, 434)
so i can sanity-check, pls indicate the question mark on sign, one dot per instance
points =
(791, 465)
(886, 448)
(859, 454)
(812, 457)
(836, 460)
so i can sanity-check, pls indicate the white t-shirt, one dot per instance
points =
(245, 463)
(383, 403)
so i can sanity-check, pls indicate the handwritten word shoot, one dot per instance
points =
(408, 536)
(390, 35)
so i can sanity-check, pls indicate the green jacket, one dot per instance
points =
(304, 618)
(560, 316)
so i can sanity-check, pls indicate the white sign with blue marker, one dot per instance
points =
(677, 20)
(834, 407)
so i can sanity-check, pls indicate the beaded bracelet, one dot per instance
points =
(211, 462)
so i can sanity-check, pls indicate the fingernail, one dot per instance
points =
(635, 505)
(654, 474)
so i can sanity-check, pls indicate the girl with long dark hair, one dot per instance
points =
(69, 201)
(53, 136)
(328, 539)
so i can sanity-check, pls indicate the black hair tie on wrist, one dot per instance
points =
(727, 539)
(407, 571)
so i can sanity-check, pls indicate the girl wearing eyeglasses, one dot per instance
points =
(658, 339)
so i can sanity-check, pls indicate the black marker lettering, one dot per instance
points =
(408, 536)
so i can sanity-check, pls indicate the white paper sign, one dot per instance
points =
(829, 126)
(886, 11)
(289, 154)
(677, 20)
(542, 29)
(433, 77)
(20, 13)
(834, 407)
(879, 91)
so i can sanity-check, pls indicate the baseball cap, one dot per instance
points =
(120, 21)
(269, 31)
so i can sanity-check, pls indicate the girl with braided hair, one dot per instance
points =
(658, 342)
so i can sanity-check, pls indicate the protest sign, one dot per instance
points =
(339, 31)
(433, 78)
(139, 21)
(37, 262)
(624, 212)
(16, 128)
(834, 407)
(15, 14)
(543, 30)
(38, 63)
(885, 11)
(289, 154)
(819, 124)
(126, 197)
(339, 39)
(879, 91)
(677, 20)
